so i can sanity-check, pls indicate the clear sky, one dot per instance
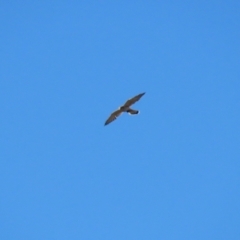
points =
(171, 172)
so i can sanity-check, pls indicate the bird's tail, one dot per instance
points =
(132, 111)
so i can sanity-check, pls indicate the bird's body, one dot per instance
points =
(125, 108)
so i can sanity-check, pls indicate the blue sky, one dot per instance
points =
(171, 172)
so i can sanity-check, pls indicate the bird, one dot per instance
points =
(124, 108)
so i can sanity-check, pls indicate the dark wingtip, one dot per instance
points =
(106, 123)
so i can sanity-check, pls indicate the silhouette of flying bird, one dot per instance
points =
(125, 108)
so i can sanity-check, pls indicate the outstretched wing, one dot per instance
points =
(113, 116)
(131, 101)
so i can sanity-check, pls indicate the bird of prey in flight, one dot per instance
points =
(124, 108)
